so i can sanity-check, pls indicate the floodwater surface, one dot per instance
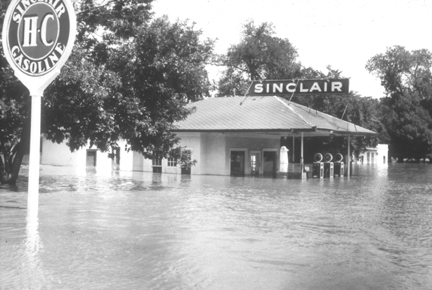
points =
(134, 230)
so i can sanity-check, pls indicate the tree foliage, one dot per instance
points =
(406, 109)
(129, 77)
(258, 55)
(14, 122)
(354, 108)
(361, 111)
(262, 55)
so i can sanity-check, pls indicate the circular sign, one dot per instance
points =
(32, 45)
(318, 157)
(38, 36)
(328, 157)
(338, 157)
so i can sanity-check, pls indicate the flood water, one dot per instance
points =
(134, 230)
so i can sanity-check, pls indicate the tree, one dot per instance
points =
(14, 122)
(14, 116)
(361, 111)
(161, 71)
(354, 108)
(259, 55)
(406, 109)
(128, 77)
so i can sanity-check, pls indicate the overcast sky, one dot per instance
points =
(340, 33)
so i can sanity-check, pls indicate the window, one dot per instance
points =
(172, 162)
(157, 165)
(157, 161)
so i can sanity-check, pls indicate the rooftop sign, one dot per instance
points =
(299, 87)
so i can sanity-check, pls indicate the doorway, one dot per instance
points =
(91, 157)
(237, 163)
(187, 157)
(255, 160)
(269, 163)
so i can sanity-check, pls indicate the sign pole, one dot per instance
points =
(38, 37)
(34, 158)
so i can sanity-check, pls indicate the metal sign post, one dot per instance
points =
(38, 38)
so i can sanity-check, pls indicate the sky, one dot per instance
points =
(344, 34)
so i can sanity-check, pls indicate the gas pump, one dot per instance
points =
(328, 166)
(339, 169)
(318, 166)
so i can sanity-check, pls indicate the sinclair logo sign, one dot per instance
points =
(299, 87)
(38, 35)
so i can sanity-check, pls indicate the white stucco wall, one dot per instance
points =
(60, 155)
(382, 157)
(192, 141)
(137, 161)
(251, 144)
(378, 155)
(126, 157)
(213, 152)
(210, 150)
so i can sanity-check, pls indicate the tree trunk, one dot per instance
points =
(16, 165)
(10, 175)
(2, 172)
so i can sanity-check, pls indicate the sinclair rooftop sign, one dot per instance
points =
(299, 87)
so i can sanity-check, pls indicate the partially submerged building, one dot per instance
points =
(375, 155)
(229, 136)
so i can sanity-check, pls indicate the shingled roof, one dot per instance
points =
(263, 114)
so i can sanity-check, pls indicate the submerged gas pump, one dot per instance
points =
(328, 166)
(339, 169)
(318, 166)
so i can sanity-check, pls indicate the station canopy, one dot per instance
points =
(264, 115)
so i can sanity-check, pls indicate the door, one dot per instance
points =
(186, 157)
(91, 157)
(237, 163)
(255, 159)
(269, 163)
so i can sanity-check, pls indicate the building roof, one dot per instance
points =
(269, 114)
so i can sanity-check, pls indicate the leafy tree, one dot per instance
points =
(406, 109)
(14, 122)
(259, 55)
(14, 116)
(362, 111)
(128, 78)
(162, 70)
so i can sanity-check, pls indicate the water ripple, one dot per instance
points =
(137, 230)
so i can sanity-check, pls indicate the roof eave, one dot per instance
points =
(288, 131)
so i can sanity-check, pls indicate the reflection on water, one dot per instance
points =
(134, 230)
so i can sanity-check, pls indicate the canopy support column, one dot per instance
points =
(301, 154)
(293, 149)
(349, 157)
